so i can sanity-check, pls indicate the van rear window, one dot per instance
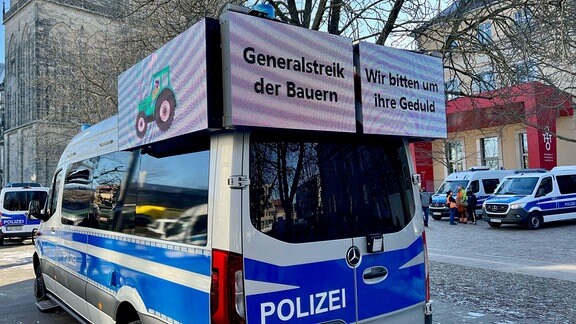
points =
(315, 189)
(19, 200)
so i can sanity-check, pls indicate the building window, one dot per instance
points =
(484, 32)
(490, 152)
(523, 146)
(452, 43)
(483, 82)
(525, 71)
(523, 20)
(455, 156)
(452, 88)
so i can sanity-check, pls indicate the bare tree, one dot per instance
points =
(531, 40)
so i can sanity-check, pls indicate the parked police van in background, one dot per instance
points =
(15, 223)
(480, 180)
(533, 197)
(281, 209)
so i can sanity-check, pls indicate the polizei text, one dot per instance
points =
(299, 307)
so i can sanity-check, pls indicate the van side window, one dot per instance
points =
(77, 192)
(545, 187)
(325, 188)
(566, 183)
(174, 188)
(475, 186)
(108, 181)
(55, 192)
(490, 185)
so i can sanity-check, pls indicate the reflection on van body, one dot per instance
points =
(338, 190)
(191, 227)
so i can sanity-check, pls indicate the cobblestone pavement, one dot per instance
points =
(508, 275)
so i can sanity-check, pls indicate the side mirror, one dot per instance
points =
(35, 210)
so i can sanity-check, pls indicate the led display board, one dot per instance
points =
(282, 76)
(402, 92)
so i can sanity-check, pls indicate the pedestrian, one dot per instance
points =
(461, 205)
(426, 198)
(451, 202)
(471, 206)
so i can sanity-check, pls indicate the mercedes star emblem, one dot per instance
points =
(353, 256)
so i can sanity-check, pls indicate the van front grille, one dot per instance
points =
(496, 208)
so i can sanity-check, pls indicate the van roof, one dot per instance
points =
(479, 174)
(22, 184)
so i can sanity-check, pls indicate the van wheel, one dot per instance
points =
(534, 221)
(39, 287)
(494, 225)
(1, 240)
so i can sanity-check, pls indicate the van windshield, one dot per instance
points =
(452, 186)
(325, 188)
(517, 186)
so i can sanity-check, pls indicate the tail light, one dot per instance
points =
(427, 266)
(227, 288)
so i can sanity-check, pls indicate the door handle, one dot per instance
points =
(375, 274)
(52, 230)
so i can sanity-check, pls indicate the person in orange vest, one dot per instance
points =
(461, 205)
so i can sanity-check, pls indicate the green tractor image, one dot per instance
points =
(158, 106)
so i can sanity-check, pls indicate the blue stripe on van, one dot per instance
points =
(158, 294)
(18, 219)
(402, 288)
(189, 258)
(305, 284)
(307, 297)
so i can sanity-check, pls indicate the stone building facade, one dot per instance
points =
(34, 31)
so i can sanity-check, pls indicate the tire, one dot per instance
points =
(535, 221)
(164, 110)
(141, 124)
(39, 286)
(494, 225)
(1, 240)
(436, 217)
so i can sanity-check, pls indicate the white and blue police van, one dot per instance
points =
(481, 180)
(289, 198)
(15, 223)
(533, 197)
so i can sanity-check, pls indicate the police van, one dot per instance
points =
(481, 180)
(533, 197)
(282, 208)
(15, 223)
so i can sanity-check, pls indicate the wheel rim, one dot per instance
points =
(535, 221)
(165, 110)
(141, 125)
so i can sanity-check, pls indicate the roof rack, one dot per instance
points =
(22, 184)
(537, 170)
